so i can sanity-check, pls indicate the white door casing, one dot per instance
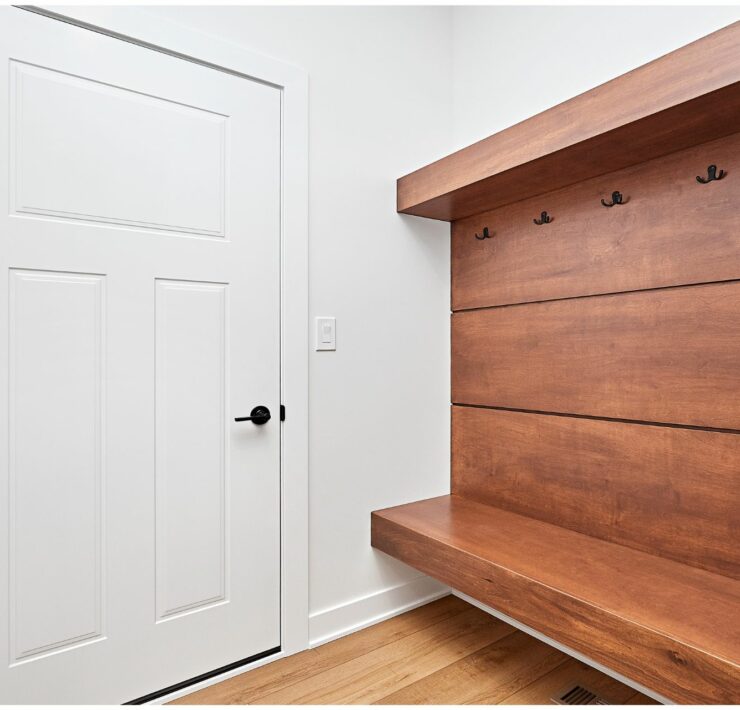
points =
(141, 257)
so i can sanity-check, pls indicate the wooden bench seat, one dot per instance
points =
(671, 627)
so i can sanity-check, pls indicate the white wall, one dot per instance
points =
(379, 434)
(510, 63)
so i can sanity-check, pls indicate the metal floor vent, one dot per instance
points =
(578, 695)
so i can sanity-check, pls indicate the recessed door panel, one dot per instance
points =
(191, 445)
(56, 460)
(86, 150)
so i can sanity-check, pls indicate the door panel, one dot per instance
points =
(140, 253)
(56, 388)
(63, 120)
(191, 332)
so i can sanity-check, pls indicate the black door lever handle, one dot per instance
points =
(259, 415)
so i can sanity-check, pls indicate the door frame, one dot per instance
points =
(159, 34)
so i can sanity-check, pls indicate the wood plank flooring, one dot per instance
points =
(446, 652)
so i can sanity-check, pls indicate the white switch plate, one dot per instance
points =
(326, 333)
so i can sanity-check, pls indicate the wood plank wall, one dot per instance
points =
(596, 359)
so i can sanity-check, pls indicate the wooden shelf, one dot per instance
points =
(687, 97)
(671, 627)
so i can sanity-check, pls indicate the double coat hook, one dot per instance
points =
(544, 219)
(711, 175)
(486, 234)
(617, 199)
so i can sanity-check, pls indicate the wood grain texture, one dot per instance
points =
(662, 356)
(671, 627)
(385, 670)
(571, 673)
(668, 491)
(270, 678)
(671, 231)
(501, 669)
(659, 108)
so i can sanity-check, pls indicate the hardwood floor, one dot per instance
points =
(446, 652)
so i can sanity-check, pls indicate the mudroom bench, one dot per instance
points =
(595, 475)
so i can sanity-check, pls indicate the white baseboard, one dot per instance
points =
(565, 649)
(329, 624)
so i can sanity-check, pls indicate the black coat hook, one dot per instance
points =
(711, 175)
(544, 219)
(616, 200)
(486, 235)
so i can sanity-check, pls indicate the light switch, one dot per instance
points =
(326, 333)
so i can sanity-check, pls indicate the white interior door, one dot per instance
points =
(140, 533)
